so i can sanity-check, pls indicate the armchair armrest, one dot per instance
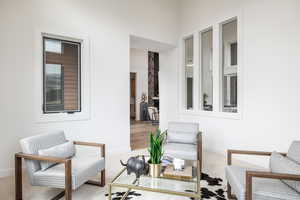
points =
(270, 175)
(230, 152)
(41, 158)
(101, 146)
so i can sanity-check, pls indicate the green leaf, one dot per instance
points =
(155, 147)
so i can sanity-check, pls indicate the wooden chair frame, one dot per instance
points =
(257, 174)
(68, 171)
(199, 149)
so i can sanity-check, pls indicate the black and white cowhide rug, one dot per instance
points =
(211, 188)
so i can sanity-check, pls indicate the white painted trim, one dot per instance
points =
(217, 70)
(85, 77)
(196, 72)
(212, 114)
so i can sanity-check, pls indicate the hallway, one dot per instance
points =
(139, 134)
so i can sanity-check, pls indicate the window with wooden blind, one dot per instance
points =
(61, 67)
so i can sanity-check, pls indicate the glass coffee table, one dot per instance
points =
(171, 186)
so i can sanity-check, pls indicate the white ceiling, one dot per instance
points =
(148, 44)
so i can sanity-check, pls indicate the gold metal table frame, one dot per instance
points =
(195, 195)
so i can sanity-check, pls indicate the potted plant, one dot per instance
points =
(156, 152)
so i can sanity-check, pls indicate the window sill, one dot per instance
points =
(63, 117)
(213, 114)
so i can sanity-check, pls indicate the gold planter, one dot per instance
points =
(155, 170)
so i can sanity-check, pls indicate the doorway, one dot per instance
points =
(144, 91)
(144, 96)
(132, 96)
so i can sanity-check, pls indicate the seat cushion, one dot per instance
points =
(182, 151)
(282, 164)
(84, 167)
(263, 189)
(294, 151)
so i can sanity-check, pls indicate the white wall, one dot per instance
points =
(271, 49)
(271, 84)
(108, 24)
(168, 85)
(139, 65)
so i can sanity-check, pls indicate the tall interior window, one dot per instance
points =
(189, 71)
(61, 91)
(206, 53)
(229, 66)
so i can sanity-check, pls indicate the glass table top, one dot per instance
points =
(159, 184)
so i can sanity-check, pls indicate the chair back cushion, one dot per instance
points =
(182, 132)
(65, 150)
(294, 151)
(32, 145)
(284, 165)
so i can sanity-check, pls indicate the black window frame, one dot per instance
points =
(44, 105)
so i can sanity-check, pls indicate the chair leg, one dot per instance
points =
(229, 194)
(103, 178)
(59, 196)
(68, 180)
(98, 183)
(200, 160)
(18, 178)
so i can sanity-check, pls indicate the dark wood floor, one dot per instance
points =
(139, 134)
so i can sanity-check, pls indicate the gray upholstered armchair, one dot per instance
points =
(51, 161)
(184, 141)
(281, 181)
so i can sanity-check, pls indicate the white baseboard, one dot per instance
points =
(7, 172)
